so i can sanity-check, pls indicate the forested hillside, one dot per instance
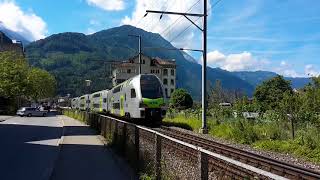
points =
(72, 58)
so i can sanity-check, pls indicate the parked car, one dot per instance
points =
(29, 111)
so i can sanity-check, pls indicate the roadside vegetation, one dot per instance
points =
(20, 82)
(288, 120)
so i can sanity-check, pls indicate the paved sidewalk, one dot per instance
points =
(83, 156)
(3, 118)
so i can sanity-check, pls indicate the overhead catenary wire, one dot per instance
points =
(179, 19)
(183, 31)
(168, 29)
(216, 3)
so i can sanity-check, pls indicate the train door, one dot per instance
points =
(121, 105)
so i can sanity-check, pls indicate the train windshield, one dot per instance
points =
(150, 87)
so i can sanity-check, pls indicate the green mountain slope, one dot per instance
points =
(257, 77)
(72, 58)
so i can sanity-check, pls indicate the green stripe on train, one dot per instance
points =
(153, 103)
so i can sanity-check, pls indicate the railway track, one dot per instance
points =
(262, 162)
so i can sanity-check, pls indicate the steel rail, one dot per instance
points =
(279, 166)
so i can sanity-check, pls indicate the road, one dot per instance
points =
(29, 147)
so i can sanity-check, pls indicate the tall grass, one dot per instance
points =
(266, 135)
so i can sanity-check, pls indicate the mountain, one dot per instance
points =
(13, 35)
(257, 77)
(72, 58)
(188, 57)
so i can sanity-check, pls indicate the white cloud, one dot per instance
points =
(235, 62)
(151, 21)
(28, 24)
(310, 70)
(286, 69)
(108, 5)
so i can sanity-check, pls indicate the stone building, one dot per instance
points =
(164, 69)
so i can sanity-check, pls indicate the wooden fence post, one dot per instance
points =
(110, 126)
(115, 134)
(203, 165)
(137, 145)
(157, 157)
(124, 135)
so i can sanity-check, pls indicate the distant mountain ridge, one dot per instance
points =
(13, 35)
(74, 57)
(257, 77)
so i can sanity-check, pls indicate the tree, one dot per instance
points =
(290, 107)
(181, 99)
(271, 92)
(41, 84)
(13, 73)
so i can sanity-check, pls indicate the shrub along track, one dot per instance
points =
(262, 162)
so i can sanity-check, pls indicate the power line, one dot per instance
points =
(183, 30)
(215, 4)
(169, 27)
(180, 17)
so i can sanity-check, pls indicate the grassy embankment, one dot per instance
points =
(272, 136)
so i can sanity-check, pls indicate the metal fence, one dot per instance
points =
(164, 157)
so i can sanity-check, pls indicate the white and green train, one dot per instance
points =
(140, 97)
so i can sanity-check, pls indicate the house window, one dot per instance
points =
(165, 72)
(172, 91)
(128, 71)
(172, 72)
(165, 81)
(172, 82)
(166, 90)
(133, 93)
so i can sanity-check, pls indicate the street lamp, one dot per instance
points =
(138, 36)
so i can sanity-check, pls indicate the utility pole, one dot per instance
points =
(138, 36)
(204, 128)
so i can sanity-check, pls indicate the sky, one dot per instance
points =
(282, 36)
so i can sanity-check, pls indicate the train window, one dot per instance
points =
(133, 93)
(151, 87)
(104, 100)
(116, 89)
(96, 95)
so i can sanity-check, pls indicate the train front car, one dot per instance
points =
(141, 97)
(152, 105)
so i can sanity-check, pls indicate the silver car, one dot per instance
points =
(29, 111)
